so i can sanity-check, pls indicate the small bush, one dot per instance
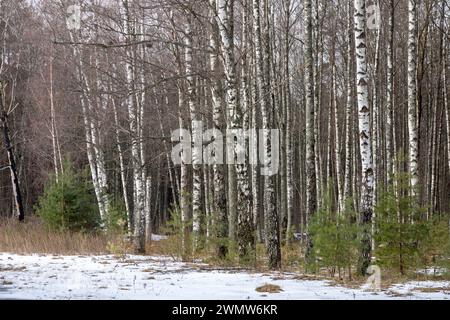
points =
(400, 228)
(116, 219)
(69, 203)
(334, 240)
(435, 249)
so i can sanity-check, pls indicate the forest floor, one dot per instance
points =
(157, 277)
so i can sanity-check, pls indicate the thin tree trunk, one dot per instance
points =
(139, 198)
(220, 200)
(366, 205)
(311, 187)
(123, 176)
(17, 195)
(390, 94)
(244, 231)
(348, 110)
(197, 214)
(270, 215)
(412, 95)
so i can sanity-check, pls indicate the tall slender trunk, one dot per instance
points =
(376, 141)
(412, 95)
(20, 212)
(93, 155)
(139, 191)
(148, 205)
(53, 131)
(311, 187)
(288, 142)
(446, 107)
(123, 176)
(348, 110)
(244, 231)
(262, 74)
(337, 143)
(366, 204)
(197, 214)
(390, 94)
(220, 199)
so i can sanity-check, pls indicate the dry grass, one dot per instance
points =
(32, 237)
(269, 288)
(433, 289)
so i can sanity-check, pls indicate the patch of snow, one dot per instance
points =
(158, 237)
(145, 277)
(433, 271)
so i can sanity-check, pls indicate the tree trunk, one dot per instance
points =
(139, 192)
(311, 186)
(262, 73)
(412, 95)
(20, 213)
(220, 200)
(366, 204)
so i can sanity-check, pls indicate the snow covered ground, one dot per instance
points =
(143, 277)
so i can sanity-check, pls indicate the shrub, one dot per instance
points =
(116, 219)
(435, 249)
(400, 228)
(333, 235)
(69, 204)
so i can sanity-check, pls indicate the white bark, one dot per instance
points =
(412, 94)
(123, 176)
(139, 192)
(220, 201)
(236, 114)
(390, 95)
(148, 205)
(311, 174)
(95, 156)
(197, 213)
(262, 74)
(364, 132)
(348, 112)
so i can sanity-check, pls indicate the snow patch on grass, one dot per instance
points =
(157, 277)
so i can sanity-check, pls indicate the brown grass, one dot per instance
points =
(31, 236)
(269, 288)
(431, 289)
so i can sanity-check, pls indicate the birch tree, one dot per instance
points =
(311, 191)
(139, 192)
(262, 75)
(412, 95)
(366, 205)
(225, 10)
(196, 139)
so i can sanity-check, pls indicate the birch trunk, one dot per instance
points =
(262, 74)
(244, 232)
(17, 194)
(53, 131)
(220, 200)
(349, 110)
(148, 203)
(390, 94)
(93, 157)
(288, 141)
(412, 95)
(123, 176)
(197, 214)
(139, 192)
(337, 145)
(366, 204)
(446, 107)
(375, 130)
(311, 187)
